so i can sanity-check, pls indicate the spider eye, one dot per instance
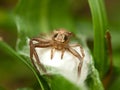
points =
(55, 35)
(65, 38)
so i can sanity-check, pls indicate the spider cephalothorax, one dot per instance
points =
(61, 36)
(59, 41)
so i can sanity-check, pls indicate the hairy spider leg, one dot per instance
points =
(81, 49)
(63, 50)
(52, 53)
(75, 53)
(33, 51)
(40, 40)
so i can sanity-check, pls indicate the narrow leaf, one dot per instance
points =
(8, 50)
(100, 26)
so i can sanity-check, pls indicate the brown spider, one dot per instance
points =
(59, 41)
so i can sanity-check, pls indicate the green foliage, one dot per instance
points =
(100, 28)
(93, 81)
(60, 83)
(4, 47)
(38, 16)
(5, 20)
(60, 16)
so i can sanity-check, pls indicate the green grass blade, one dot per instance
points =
(100, 26)
(8, 50)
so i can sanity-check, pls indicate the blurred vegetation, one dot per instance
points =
(14, 74)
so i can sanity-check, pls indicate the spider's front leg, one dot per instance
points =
(53, 51)
(75, 53)
(63, 50)
(40, 44)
